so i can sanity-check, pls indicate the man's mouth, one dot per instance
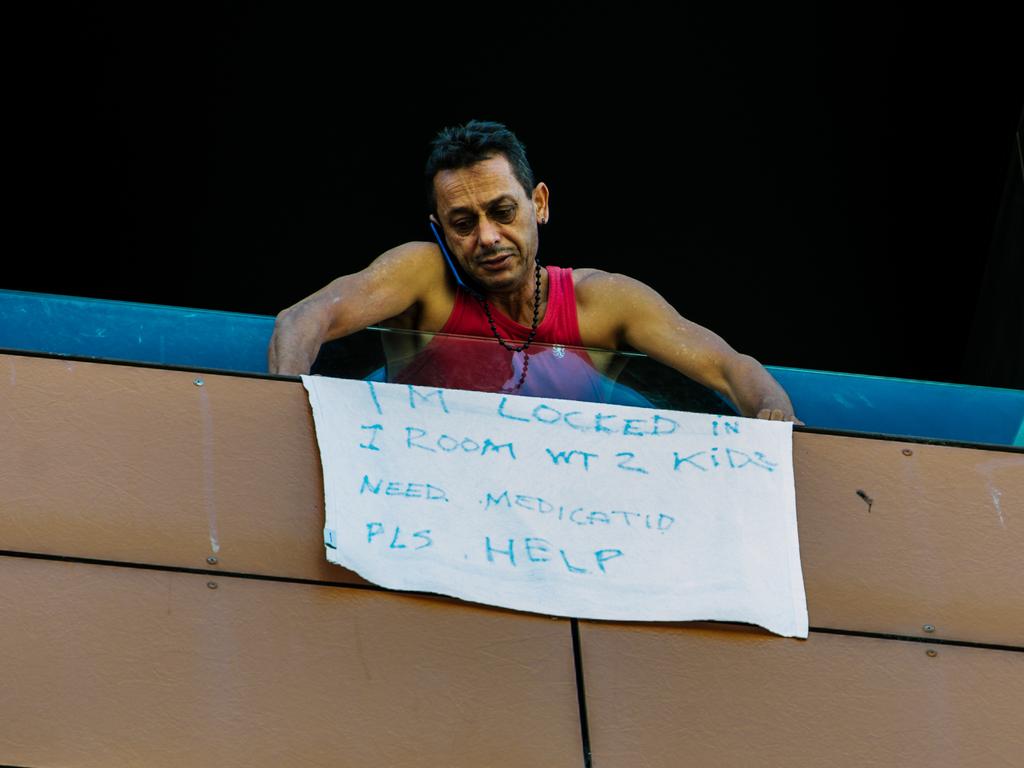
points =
(495, 262)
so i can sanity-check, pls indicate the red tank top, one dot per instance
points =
(559, 326)
(471, 358)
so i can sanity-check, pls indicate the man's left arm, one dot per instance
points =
(635, 314)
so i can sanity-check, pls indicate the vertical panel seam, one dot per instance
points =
(581, 694)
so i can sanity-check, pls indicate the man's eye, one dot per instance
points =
(504, 214)
(463, 226)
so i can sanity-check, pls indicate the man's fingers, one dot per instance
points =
(777, 414)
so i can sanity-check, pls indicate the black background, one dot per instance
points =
(819, 187)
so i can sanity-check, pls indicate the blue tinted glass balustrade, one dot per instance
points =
(191, 338)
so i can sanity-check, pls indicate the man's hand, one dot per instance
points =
(754, 391)
(298, 334)
(778, 414)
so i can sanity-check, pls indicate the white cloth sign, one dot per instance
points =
(560, 507)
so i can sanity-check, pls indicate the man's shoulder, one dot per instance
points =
(423, 252)
(587, 278)
(603, 303)
(611, 293)
(414, 263)
(427, 283)
(597, 283)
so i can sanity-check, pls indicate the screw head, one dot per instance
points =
(907, 452)
(932, 653)
(198, 381)
(928, 627)
(211, 560)
(211, 584)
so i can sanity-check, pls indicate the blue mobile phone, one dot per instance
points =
(451, 263)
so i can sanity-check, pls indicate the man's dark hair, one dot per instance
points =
(465, 145)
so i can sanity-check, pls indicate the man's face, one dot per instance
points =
(490, 222)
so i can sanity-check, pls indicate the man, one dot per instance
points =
(484, 199)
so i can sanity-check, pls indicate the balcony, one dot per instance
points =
(167, 599)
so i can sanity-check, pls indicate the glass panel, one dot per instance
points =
(482, 364)
(226, 341)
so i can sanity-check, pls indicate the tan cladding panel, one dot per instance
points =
(141, 465)
(131, 464)
(936, 543)
(678, 696)
(115, 666)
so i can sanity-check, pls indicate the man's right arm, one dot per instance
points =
(395, 281)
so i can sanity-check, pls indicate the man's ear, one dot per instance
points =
(541, 204)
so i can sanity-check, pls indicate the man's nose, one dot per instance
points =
(489, 234)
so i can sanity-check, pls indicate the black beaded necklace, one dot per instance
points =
(533, 326)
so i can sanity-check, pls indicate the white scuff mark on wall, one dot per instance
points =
(996, 496)
(1000, 465)
(209, 495)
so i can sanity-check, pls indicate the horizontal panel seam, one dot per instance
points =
(375, 588)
